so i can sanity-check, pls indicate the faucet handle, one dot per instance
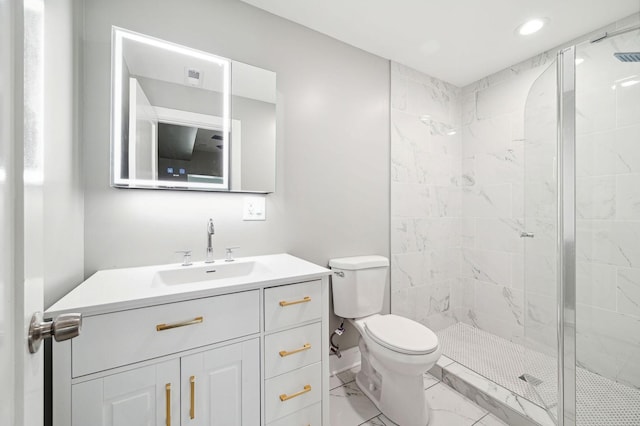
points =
(186, 259)
(229, 251)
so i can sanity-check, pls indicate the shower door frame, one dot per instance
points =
(566, 237)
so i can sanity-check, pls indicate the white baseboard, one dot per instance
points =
(350, 358)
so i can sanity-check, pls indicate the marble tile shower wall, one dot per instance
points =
(457, 199)
(426, 198)
(493, 196)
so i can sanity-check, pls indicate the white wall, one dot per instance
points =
(7, 222)
(332, 191)
(63, 192)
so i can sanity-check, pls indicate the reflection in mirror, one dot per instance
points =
(173, 126)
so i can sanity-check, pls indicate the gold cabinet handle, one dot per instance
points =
(167, 388)
(196, 320)
(295, 302)
(306, 347)
(192, 408)
(285, 397)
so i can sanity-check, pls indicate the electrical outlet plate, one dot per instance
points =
(254, 208)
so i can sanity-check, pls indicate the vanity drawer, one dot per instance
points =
(121, 338)
(290, 392)
(292, 349)
(292, 304)
(310, 416)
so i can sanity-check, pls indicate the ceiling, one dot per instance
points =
(459, 41)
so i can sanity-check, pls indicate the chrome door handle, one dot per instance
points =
(65, 327)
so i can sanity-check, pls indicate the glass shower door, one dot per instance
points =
(581, 234)
(540, 199)
(608, 231)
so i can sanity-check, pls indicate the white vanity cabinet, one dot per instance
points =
(235, 353)
(222, 386)
(143, 396)
(215, 387)
(293, 353)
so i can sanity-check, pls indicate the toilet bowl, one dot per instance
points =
(395, 351)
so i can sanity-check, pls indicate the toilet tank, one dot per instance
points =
(358, 285)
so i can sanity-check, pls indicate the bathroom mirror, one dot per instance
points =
(189, 120)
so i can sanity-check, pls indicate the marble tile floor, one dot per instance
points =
(350, 407)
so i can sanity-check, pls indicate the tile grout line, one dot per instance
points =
(433, 384)
(480, 419)
(342, 384)
(374, 417)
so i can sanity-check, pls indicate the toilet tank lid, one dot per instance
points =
(359, 262)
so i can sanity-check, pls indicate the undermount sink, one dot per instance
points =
(209, 272)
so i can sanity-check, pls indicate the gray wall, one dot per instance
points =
(332, 193)
(63, 193)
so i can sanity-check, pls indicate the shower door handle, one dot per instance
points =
(526, 235)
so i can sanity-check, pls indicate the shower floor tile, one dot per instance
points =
(491, 356)
(600, 401)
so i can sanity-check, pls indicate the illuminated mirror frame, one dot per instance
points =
(118, 36)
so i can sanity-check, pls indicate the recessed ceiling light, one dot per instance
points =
(531, 26)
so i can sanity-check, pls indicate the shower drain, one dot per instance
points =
(530, 379)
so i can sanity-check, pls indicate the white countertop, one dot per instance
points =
(119, 289)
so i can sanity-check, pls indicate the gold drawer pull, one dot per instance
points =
(196, 320)
(295, 302)
(192, 407)
(285, 397)
(306, 346)
(167, 388)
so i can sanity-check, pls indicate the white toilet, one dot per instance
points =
(395, 351)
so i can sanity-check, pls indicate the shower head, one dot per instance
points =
(627, 56)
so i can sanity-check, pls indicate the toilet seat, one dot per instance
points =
(401, 334)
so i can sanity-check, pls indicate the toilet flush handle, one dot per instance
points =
(339, 273)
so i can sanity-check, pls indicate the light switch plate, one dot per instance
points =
(254, 208)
